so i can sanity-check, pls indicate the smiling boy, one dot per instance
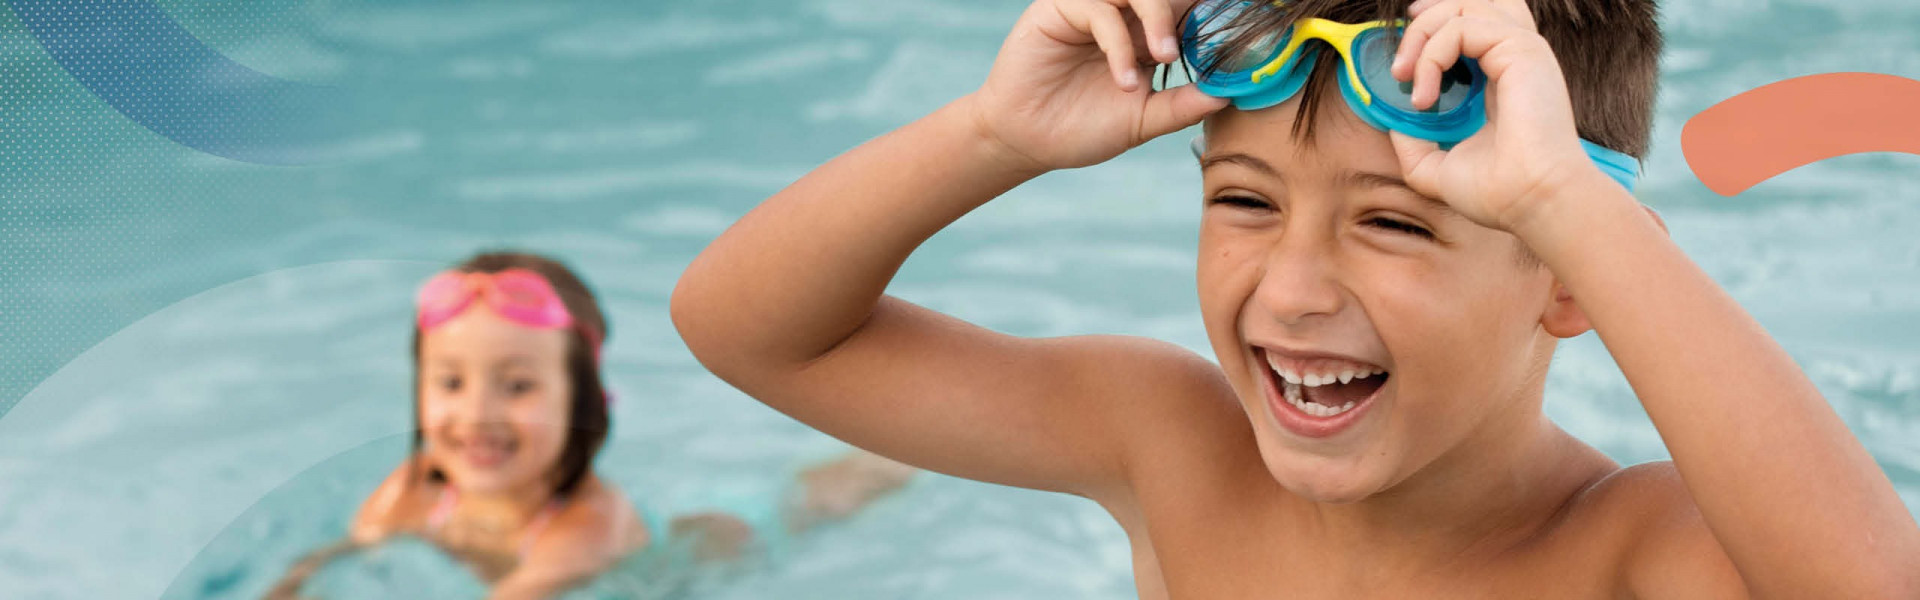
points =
(1382, 311)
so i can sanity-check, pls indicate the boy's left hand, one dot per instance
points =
(1529, 149)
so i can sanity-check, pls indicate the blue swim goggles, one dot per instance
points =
(1275, 67)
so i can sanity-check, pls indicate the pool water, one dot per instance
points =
(205, 360)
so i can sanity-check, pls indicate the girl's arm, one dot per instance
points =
(788, 303)
(289, 586)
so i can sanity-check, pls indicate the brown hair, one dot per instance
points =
(1609, 51)
(588, 419)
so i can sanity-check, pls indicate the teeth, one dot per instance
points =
(1318, 379)
(1298, 399)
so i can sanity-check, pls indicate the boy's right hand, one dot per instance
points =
(1070, 87)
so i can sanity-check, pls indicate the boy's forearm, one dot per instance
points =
(1794, 499)
(799, 273)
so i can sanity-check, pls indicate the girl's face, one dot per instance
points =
(494, 401)
(1315, 261)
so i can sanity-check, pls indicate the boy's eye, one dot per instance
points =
(1242, 202)
(1400, 226)
(451, 384)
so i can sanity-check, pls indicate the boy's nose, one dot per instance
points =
(1299, 283)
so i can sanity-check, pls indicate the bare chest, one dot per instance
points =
(1225, 554)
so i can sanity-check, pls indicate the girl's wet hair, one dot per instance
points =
(588, 418)
(1609, 51)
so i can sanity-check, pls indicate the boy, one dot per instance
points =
(1382, 312)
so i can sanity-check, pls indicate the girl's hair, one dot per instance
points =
(588, 418)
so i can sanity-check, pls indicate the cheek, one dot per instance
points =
(543, 421)
(436, 410)
(1227, 273)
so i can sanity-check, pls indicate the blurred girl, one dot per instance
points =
(510, 411)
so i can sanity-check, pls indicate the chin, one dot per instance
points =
(1321, 482)
(1338, 479)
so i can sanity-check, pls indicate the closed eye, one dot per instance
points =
(1241, 202)
(1400, 226)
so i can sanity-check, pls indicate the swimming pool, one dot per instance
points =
(206, 360)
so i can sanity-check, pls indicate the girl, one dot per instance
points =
(510, 411)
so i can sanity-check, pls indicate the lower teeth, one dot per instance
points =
(1298, 400)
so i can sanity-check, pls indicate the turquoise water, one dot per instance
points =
(205, 360)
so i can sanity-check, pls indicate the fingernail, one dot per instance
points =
(1170, 47)
(1129, 78)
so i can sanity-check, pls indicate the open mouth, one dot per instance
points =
(1321, 396)
(485, 451)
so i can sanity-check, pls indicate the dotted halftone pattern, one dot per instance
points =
(94, 208)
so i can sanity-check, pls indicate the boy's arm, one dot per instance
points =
(788, 306)
(1792, 499)
(788, 303)
(1795, 501)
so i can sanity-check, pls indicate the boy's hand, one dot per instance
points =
(1529, 149)
(1070, 87)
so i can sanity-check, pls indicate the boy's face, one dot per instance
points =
(494, 401)
(1314, 260)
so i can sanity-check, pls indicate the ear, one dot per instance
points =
(1563, 318)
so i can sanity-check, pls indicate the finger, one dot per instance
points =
(1496, 44)
(1110, 33)
(1429, 16)
(1156, 18)
(1421, 6)
(1175, 109)
(1516, 10)
(1419, 162)
(1416, 34)
(1439, 54)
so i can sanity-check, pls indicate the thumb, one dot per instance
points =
(1419, 162)
(1175, 109)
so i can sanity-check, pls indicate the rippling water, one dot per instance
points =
(206, 360)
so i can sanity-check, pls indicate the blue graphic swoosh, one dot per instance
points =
(141, 62)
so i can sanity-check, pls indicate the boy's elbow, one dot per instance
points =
(683, 307)
(701, 326)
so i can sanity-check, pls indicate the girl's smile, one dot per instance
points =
(494, 401)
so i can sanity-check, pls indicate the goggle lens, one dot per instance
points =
(1374, 52)
(1208, 28)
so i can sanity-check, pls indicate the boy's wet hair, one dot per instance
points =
(588, 417)
(1609, 51)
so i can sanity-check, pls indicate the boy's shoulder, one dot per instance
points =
(1169, 391)
(1646, 523)
(1185, 428)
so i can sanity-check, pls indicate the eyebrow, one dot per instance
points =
(1351, 178)
(1244, 160)
(1383, 180)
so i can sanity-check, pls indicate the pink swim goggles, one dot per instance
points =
(518, 295)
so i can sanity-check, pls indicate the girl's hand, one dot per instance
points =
(1529, 149)
(1071, 86)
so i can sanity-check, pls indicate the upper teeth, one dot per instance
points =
(1319, 379)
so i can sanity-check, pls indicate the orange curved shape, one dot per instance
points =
(1779, 127)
